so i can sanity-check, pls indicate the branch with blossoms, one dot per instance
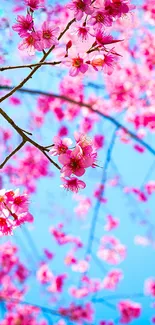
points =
(83, 104)
(28, 65)
(25, 139)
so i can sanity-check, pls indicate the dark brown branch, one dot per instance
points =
(25, 138)
(28, 65)
(82, 104)
(22, 83)
(12, 153)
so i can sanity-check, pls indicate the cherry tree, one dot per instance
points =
(77, 186)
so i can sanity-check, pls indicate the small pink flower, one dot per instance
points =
(73, 184)
(23, 25)
(111, 223)
(35, 4)
(29, 43)
(80, 7)
(129, 310)
(60, 146)
(105, 62)
(100, 18)
(82, 32)
(112, 279)
(48, 36)
(149, 287)
(77, 65)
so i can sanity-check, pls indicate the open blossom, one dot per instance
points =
(82, 32)
(60, 145)
(48, 36)
(77, 65)
(73, 184)
(78, 313)
(29, 43)
(128, 310)
(104, 62)
(35, 4)
(23, 25)
(74, 162)
(80, 7)
(99, 18)
(117, 7)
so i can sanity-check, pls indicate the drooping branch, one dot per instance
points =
(25, 139)
(22, 83)
(82, 104)
(98, 202)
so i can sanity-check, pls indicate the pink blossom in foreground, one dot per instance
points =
(29, 43)
(48, 36)
(99, 18)
(23, 25)
(74, 163)
(129, 310)
(82, 32)
(117, 7)
(77, 65)
(73, 184)
(60, 145)
(80, 7)
(104, 62)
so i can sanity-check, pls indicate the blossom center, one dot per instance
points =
(47, 35)
(77, 62)
(100, 18)
(80, 5)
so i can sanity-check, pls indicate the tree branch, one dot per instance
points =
(82, 104)
(12, 153)
(22, 83)
(28, 65)
(26, 139)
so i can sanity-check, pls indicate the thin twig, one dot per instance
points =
(27, 139)
(28, 65)
(12, 153)
(82, 104)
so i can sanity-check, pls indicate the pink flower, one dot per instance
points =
(80, 7)
(74, 162)
(149, 287)
(30, 43)
(77, 65)
(129, 310)
(73, 184)
(82, 32)
(111, 250)
(47, 36)
(105, 62)
(60, 146)
(112, 279)
(24, 24)
(111, 223)
(100, 18)
(44, 275)
(104, 39)
(117, 7)
(35, 4)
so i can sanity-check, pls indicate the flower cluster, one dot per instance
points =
(13, 211)
(129, 310)
(74, 161)
(78, 313)
(111, 250)
(34, 39)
